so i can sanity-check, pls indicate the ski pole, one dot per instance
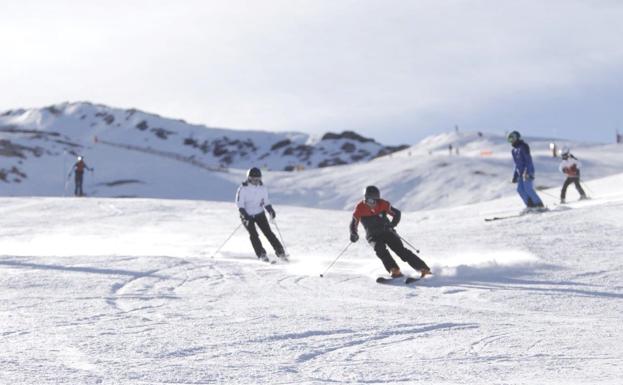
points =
(280, 236)
(410, 245)
(335, 260)
(66, 184)
(586, 187)
(64, 171)
(548, 194)
(227, 240)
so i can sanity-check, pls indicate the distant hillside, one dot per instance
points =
(428, 175)
(76, 128)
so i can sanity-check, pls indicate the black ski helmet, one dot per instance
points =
(372, 192)
(254, 172)
(513, 137)
(565, 151)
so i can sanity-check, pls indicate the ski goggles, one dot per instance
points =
(255, 179)
(371, 201)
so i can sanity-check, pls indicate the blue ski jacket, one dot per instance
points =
(523, 159)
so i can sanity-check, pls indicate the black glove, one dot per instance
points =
(515, 177)
(354, 237)
(245, 217)
(271, 211)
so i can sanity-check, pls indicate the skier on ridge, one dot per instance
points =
(380, 232)
(523, 174)
(252, 200)
(570, 166)
(78, 170)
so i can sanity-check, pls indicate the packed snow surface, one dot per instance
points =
(132, 291)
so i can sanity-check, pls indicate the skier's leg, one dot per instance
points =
(378, 243)
(522, 192)
(531, 193)
(79, 184)
(395, 243)
(563, 192)
(255, 239)
(578, 186)
(262, 222)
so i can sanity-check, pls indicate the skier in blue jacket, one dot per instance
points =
(524, 171)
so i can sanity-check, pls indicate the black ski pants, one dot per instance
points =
(262, 223)
(78, 179)
(568, 181)
(390, 238)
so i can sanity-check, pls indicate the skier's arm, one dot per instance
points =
(354, 223)
(578, 164)
(271, 211)
(265, 197)
(240, 197)
(395, 213)
(528, 165)
(244, 215)
(267, 206)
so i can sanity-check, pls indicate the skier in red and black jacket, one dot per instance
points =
(380, 232)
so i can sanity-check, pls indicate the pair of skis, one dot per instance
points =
(406, 280)
(521, 214)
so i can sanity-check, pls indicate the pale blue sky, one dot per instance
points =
(392, 69)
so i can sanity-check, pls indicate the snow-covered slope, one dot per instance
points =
(123, 291)
(143, 155)
(427, 176)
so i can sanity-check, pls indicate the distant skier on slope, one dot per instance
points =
(570, 166)
(380, 232)
(523, 174)
(78, 170)
(252, 200)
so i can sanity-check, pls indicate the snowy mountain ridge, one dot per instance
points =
(73, 127)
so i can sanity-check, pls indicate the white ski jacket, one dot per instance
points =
(570, 167)
(252, 198)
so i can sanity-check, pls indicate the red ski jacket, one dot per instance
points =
(374, 219)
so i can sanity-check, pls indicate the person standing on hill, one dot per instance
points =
(523, 174)
(78, 170)
(252, 200)
(570, 166)
(372, 212)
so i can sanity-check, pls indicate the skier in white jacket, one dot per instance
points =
(570, 166)
(252, 200)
